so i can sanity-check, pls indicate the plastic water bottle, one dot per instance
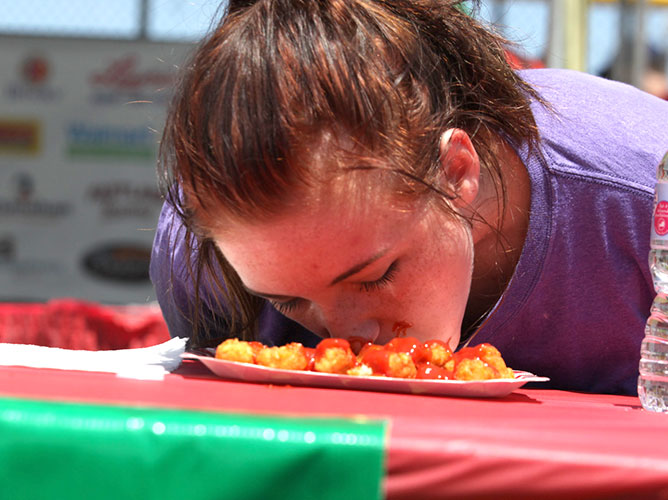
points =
(653, 379)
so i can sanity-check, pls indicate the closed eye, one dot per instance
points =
(385, 279)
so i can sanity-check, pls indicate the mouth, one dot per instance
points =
(399, 329)
(356, 343)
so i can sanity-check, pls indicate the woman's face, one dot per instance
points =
(359, 266)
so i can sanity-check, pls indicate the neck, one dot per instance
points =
(498, 241)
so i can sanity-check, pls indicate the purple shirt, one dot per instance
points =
(576, 305)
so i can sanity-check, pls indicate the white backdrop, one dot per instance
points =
(80, 122)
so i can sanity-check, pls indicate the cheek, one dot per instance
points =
(437, 293)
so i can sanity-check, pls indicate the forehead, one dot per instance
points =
(340, 225)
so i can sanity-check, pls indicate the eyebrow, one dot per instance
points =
(346, 274)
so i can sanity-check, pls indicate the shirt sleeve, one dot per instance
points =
(173, 288)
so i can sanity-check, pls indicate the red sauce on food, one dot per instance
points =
(310, 356)
(432, 372)
(412, 346)
(376, 358)
(325, 344)
(357, 343)
(470, 352)
(400, 327)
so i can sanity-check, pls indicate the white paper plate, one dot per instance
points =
(256, 373)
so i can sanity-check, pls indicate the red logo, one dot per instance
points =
(661, 218)
(35, 70)
(126, 74)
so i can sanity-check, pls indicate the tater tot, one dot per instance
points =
(417, 350)
(473, 369)
(287, 357)
(237, 350)
(491, 355)
(389, 363)
(360, 370)
(440, 352)
(334, 356)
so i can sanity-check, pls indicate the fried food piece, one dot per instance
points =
(334, 356)
(238, 350)
(473, 369)
(388, 363)
(360, 370)
(440, 352)
(491, 355)
(287, 357)
(432, 371)
(417, 350)
(482, 362)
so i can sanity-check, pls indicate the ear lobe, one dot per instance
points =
(460, 165)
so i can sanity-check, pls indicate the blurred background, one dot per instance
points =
(83, 91)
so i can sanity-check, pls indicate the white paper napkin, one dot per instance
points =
(149, 363)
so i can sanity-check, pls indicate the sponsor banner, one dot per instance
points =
(79, 130)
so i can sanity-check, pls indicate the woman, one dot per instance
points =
(350, 168)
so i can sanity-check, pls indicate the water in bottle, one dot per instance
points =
(653, 379)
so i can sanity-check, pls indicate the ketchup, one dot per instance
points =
(255, 347)
(310, 356)
(325, 344)
(471, 352)
(432, 372)
(400, 327)
(358, 343)
(376, 358)
(476, 352)
(341, 356)
(417, 350)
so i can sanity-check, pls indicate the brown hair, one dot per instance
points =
(275, 75)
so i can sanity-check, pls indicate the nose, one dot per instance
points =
(349, 323)
(356, 332)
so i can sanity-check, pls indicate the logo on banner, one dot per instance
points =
(16, 267)
(20, 136)
(22, 200)
(123, 199)
(32, 83)
(125, 80)
(124, 262)
(7, 248)
(111, 141)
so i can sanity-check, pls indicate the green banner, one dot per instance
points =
(53, 450)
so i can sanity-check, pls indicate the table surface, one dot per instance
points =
(530, 444)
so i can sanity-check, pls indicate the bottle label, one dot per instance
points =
(660, 221)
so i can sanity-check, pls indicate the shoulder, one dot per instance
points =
(599, 128)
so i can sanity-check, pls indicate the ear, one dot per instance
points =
(460, 165)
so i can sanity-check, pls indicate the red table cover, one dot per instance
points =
(530, 444)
